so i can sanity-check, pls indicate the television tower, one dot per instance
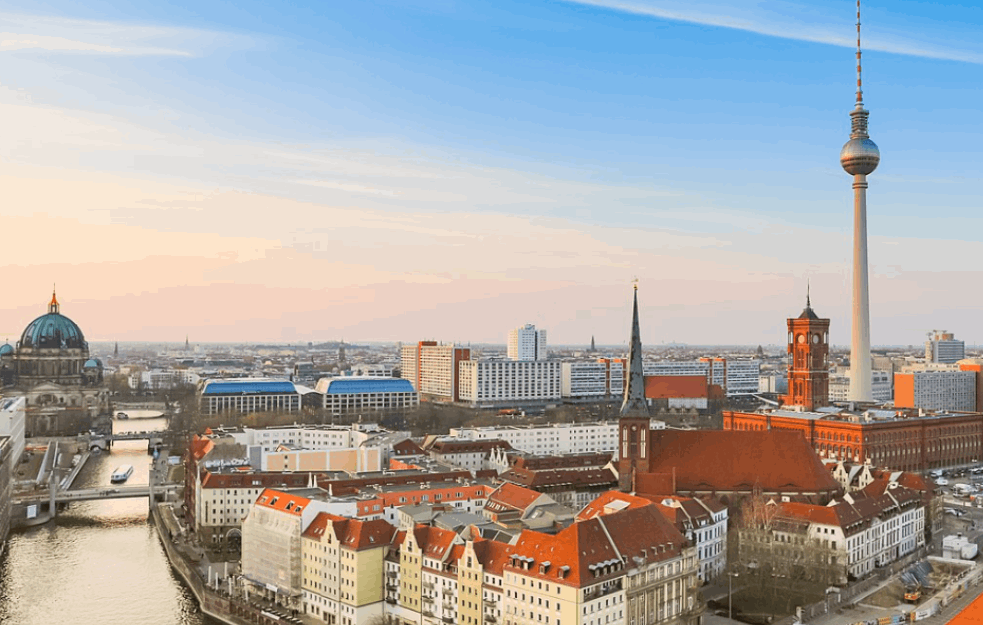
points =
(860, 157)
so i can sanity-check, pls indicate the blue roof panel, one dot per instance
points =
(370, 385)
(216, 387)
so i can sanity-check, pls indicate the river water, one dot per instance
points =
(99, 562)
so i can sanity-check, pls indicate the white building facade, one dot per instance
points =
(509, 382)
(551, 439)
(527, 343)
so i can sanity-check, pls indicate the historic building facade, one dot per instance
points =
(51, 368)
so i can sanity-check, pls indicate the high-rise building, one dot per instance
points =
(935, 388)
(808, 360)
(527, 343)
(859, 157)
(434, 369)
(944, 348)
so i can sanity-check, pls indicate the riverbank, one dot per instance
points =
(192, 566)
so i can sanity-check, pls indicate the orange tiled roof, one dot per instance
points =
(353, 534)
(595, 476)
(284, 502)
(596, 507)
(492, 554)
(511, 496)
(589, 551)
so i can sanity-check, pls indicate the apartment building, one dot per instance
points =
(936, 388)
(550, 439)
(848, 538)
(527, 343)
(343, 565)
(489, 383)
(433, 369)
(881, 386)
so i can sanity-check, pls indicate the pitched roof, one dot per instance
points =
(675, 386)
(609, 502)
(572, 478)
(353, 534)
(591, 550)
(406, 447)
(282, 501)
(466, 446)
(511, 496)
(492, 554)
(728, 460)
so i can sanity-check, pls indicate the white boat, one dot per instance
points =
(121, 474)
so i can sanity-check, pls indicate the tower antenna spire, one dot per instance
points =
(860, 92)
(808, 299)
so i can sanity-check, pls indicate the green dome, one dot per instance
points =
(53, 331)
(6, 349)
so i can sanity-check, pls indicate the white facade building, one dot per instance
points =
(13, 422)
(583, 380)
(507, 382)
(551, 439)
(939, 387)
(527, 343)
(882, 386)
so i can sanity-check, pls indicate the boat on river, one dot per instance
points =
(121, 474)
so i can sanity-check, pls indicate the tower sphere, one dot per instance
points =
(860, 156)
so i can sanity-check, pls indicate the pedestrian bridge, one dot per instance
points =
(95, 494)
(102, 442)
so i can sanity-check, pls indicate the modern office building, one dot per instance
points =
(527, 343)
(881, 386)
(246, 395)
(367, 394)
(942, 347)
(936, 388)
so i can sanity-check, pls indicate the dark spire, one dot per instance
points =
(634, 404)
(116, 350)
(592, 347)
(808, 312)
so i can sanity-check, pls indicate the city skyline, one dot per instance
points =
(399, 171)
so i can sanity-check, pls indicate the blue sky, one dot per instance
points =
(400, 170)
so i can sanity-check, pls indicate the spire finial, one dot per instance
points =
(53, 304)
(808, 301)
(860, 92)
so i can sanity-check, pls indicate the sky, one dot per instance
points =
(440, 169)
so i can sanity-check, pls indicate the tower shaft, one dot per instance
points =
(860, 366)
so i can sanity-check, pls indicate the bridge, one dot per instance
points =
(103, 442)
(95, 494)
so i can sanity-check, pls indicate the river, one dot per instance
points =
(99, 562)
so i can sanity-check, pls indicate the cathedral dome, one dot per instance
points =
(6, 349)
(53, 331)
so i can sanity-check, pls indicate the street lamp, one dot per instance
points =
(730, 593)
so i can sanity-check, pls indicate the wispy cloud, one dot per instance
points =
(65, 35)
(751, 19)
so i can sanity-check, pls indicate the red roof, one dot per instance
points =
(675, 386)
(406, 447)
(590, 551)
(609, 502)
(566, 461)
(492, 554)
(353, 534)
(464, 446)
(200, 447)
(511, 496)
(727, 460)
(284, 502)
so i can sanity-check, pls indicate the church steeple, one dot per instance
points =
(53, 306)
(634, 403)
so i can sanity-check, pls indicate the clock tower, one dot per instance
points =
(808, 360)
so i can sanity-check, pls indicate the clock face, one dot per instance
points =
(815, 338)
(802, 338)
